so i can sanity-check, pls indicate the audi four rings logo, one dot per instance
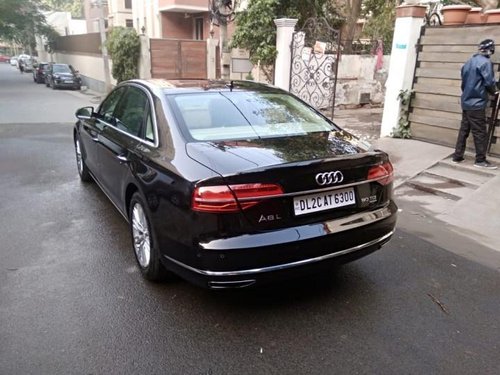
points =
(328, 178)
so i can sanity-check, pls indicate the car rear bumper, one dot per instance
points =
(65, 84)
(257, 258)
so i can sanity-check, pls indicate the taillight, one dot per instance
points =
(384, 174)
(224, 198)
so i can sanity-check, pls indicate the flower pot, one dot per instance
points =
(492, 16)
(475, 16)
(455, 14)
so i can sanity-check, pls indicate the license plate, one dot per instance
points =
(69, 81)
(306, 204)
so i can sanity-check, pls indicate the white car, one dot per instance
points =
(13, 61)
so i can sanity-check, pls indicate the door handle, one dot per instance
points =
(122, 158)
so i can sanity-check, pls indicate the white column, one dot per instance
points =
(211, 58)
(286, 27)
(409, 21)
(145, 58)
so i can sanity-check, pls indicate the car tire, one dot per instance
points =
(83, 171)
(144, 243)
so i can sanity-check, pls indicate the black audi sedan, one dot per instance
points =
(233, 184)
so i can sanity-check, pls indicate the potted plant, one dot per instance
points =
(455, 14)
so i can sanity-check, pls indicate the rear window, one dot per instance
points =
(246, 115)
(61, 68)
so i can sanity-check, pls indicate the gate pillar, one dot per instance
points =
(409, 20)
(145, 58)
(284, 35)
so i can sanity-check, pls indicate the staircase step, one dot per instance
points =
(468, 166)
(464, 175)
(442, 186)
(437, 204)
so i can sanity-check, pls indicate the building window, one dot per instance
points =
(198, 28)
(129, 23)
(128, 4)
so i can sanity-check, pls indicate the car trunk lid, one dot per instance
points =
(320, 177)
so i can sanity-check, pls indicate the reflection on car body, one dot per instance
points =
(234, 184)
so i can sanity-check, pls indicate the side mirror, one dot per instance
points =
(84, 113)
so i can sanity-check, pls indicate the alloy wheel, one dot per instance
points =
(79, 160)
(141, 235)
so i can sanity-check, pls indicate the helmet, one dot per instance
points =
(487, 47)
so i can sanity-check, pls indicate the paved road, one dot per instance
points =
(73, 302)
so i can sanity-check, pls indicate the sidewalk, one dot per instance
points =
(430, 189)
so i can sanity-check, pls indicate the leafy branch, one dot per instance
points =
(403, 129)
(124, 47)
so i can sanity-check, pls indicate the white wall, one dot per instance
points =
(357, 75)
(65, 24)
(91, 69)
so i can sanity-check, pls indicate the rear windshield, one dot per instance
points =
(61, 69)
(246, 115)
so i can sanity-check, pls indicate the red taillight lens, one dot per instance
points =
(225, 198)
(384, 174)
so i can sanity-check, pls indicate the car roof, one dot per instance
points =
(202, 85)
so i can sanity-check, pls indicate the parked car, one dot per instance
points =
(39, 72)
(26, 64)
(231, 184)
(13, 61)
(62, 75)
(4, 58)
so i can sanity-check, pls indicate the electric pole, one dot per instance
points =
(104, 49)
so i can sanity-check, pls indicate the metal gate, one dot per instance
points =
(314, 64)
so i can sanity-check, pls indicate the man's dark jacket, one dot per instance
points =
(477, 80)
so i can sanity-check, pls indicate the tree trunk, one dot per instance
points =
(353, 11)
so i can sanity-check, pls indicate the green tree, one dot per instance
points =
(381, 17)
(124, 47)
(21, 20)
(256, 30)
(350, 11)
(75, 7)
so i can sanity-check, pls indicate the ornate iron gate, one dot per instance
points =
(314, 64)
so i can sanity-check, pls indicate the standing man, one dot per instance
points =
(478, 80)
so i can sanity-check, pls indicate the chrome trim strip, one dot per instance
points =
(231, 284)
(307, 231)
(357, 220)
(281, 266)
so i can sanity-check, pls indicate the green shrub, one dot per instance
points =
(124, 48)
